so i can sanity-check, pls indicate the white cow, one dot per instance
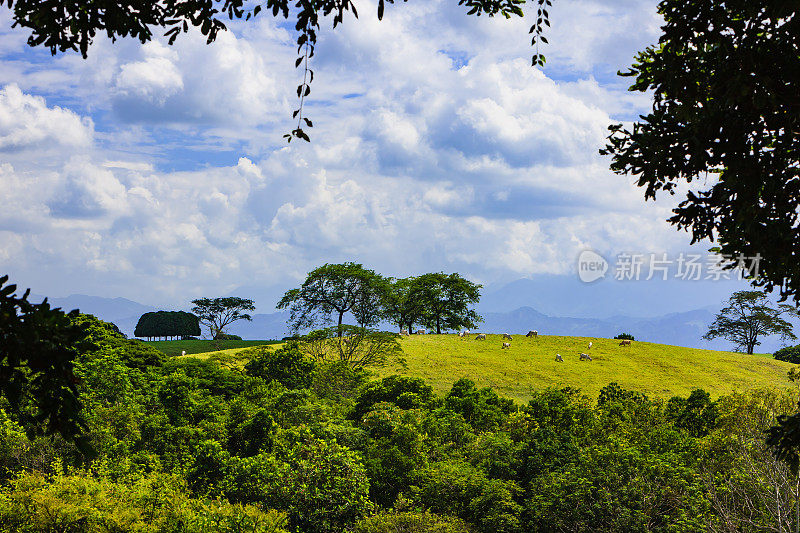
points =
(590, 345)
(507, 336)
(586, 357)
(506, 345)
(559, 358)
(403, 332)
(481, 337)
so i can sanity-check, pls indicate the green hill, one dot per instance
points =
(657, 370)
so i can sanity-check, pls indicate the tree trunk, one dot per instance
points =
(339, 332)
(438, 326)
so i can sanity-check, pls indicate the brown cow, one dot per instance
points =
(625, 342)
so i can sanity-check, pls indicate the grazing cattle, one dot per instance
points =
(420, 332)
(590, 345)
(506, 345)
(532, 334)
(507, 336)
(625, 342)
(559, 358)
(463, 334)
(586, 357)
(403, 332)
(183, 352)
(481, 337)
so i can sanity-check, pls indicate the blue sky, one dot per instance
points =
(158, 173)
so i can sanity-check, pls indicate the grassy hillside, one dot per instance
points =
(173, 348)
(656, 369)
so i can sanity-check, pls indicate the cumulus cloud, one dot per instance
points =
(432, 150)
(26, 122)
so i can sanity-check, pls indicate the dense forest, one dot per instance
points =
(274, 440)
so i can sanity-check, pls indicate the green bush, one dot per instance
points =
(404, 392)
(411, 522)
(226, 337)
(33, 503)
(625, 337)
(462, 490)
(287, 365)
(790, 354)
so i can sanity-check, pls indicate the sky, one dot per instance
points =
(159, 173)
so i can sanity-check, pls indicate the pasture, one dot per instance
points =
(529, 364)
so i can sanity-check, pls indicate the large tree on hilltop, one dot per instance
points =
(725, 80)
(334, 290)
(218, 313)
(446, 300)
(63, 25)
(400, 303)
(748, 317)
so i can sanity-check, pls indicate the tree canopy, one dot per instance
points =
(446, 301)
(218, 313)
(63, 25)
(333, 290)
(725, 79)
(38, 346)
(401, 304)
(748, 317)
(167, 324)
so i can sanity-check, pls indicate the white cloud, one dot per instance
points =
(26, 122)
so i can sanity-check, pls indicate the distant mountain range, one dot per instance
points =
(552, 305)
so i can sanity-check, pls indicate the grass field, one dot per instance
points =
(173, 348)
(657, 370)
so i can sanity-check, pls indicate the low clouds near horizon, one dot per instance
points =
(158, 172)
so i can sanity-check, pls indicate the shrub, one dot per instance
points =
(463, 490)
(158, 502)
(697, 414)
(411, 522)
(338, 380)
(287, 365)
(404, 392)
(226, 337)
(790, 354)
(358, 347)
(625, 337)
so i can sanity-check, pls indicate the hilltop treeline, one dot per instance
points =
(435, 300)
(273, 440)
(166, 324)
